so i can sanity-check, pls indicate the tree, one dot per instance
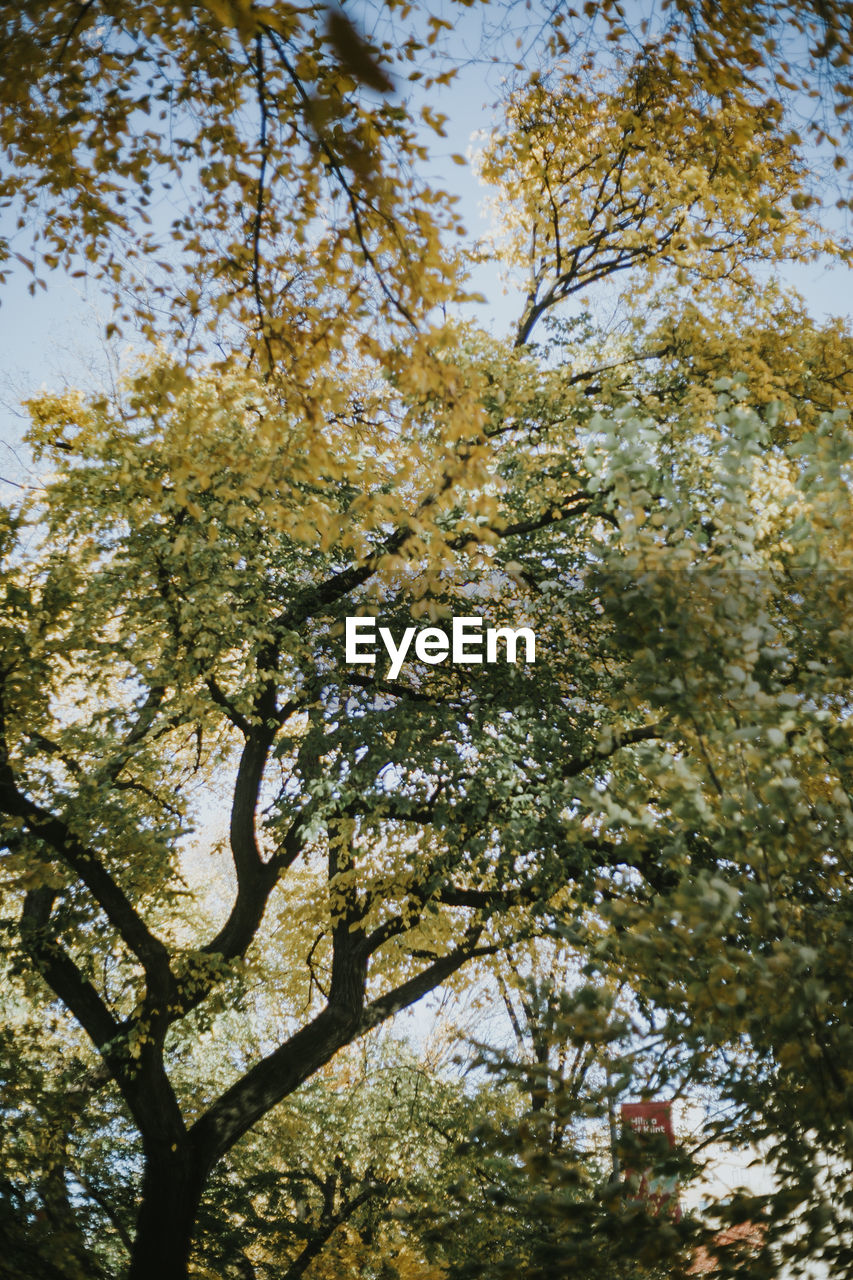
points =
(321, 1187)
(272, 133)
(560, 1197)
(792, 56)
(175, 593)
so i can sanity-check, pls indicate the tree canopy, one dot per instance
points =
(229, 855)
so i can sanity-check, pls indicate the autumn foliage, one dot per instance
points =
(228, 859)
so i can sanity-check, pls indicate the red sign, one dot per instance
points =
(652, 1122)
(649, 1118)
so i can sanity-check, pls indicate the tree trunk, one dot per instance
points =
(171, 1191)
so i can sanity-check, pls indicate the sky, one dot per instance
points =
(55, 338)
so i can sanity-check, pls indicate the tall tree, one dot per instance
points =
(175, 593)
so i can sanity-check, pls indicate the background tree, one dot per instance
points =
(564, 1193)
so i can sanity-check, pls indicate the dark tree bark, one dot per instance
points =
(171, 1191)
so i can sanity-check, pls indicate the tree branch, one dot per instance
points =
(62, 975)
(621, 738)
